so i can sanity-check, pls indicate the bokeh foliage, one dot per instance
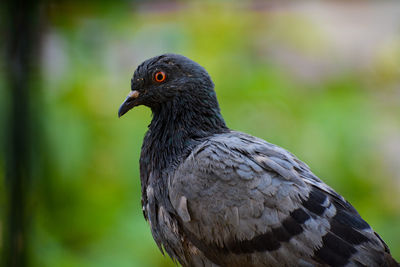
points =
(85, 200)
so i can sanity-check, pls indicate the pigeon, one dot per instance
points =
(218, 197)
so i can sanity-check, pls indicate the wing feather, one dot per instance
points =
(246, 199)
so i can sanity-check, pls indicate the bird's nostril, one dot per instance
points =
(133, 94)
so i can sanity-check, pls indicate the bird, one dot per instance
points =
(218, 197)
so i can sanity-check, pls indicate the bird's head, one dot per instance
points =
(167, 78)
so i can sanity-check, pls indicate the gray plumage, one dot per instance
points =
(216, 197)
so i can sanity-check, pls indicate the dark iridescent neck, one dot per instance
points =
(179, 125)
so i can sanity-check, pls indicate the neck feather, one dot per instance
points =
(179, 125)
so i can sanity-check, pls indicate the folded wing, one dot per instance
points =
(241, 199)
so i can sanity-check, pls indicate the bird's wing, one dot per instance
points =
(241, 199)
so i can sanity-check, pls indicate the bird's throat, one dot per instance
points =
(176, 128)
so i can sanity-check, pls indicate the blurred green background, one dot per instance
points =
(321, 79)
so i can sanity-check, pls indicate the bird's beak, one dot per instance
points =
(129, 103)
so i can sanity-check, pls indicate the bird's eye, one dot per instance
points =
(159, 76)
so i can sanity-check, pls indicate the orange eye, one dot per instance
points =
(160, 76)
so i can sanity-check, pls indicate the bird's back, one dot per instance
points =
(241, 201)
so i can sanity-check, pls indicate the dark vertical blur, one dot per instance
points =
(21, 68)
